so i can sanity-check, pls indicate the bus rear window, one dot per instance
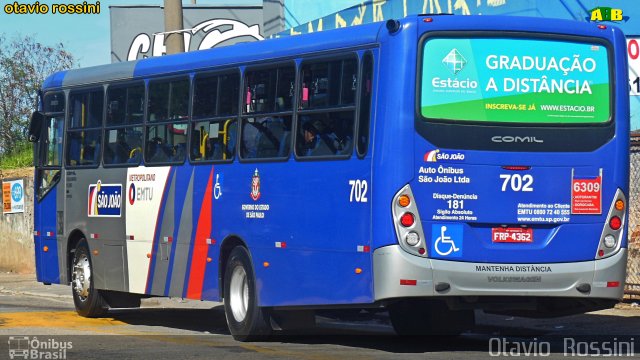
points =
(529, 81)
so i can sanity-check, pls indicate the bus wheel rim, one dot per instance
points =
(239, 294)
(82, 277)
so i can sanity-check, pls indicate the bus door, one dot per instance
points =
(48, 162)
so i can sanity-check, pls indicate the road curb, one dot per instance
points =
(35, 294)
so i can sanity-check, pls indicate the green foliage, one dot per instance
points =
(24, 65)
(21, 157)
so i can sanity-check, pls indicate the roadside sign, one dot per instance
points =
(13, 196)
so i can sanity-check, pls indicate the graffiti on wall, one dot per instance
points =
(213, 33)
(380, 10)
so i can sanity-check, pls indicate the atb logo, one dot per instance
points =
(447, 239)
(454, 61)
(603, 13)
(24, 347)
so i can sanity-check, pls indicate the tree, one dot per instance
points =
(24, 65)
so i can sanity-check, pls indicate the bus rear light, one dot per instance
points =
(602, 27)
(615, 223)
(613, 284)
(516, 167)
(408, 282)
(613, 229)
(407, 219)
(45, 249)
(412, 238)
(427, 20)
(609, 241)
(404, 201)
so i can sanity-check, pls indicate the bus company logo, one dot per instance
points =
(132, 193)
(603, 13)
(140, 193)
(255, 186)
(439, 155)
(105, 200)
(24, 347)
(454, 61)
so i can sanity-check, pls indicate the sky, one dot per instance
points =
(87, 37)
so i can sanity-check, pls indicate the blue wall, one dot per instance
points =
(303, 16)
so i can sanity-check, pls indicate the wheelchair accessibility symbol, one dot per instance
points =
(447, 239)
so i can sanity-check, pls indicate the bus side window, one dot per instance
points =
(123, 143)
(215, 107)
(268, 92)
(168, 100)
(85, 128)
(327, 111)
(168, 111)
(366, 90)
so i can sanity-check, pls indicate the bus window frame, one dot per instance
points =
(356, 135)
(457, 34)
(237, 117)
(105, 127)
(242, 115)
(40, 167)
(84, 90)
(344, 55)
(146, 123)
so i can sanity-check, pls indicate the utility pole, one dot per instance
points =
(173, 22)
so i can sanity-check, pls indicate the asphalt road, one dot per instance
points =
(41, 319)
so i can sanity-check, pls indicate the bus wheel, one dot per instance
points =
(417, 317)
(87, 299)
(247, 321)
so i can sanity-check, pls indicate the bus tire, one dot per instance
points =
(418, 317)
(246, 320)
(87, 299)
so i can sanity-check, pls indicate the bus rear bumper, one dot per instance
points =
(398, 274)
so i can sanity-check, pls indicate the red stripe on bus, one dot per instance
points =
(200, 248)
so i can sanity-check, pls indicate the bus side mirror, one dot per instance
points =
(35, 126)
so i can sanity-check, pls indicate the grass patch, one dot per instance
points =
(20, 158)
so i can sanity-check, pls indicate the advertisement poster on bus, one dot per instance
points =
(525, 81)
(13, 196)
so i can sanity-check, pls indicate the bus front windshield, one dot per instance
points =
(515, 80)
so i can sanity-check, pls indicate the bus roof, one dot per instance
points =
(243, 53)
(251, 52)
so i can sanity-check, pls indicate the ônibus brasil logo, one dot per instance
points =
(454, 61)
(255, 186)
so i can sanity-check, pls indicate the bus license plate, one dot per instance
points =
(512, 235)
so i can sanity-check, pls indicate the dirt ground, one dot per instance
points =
(16, 173)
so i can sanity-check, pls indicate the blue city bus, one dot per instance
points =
(429, 166)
